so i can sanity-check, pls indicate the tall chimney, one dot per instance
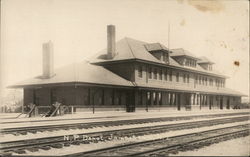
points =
(48, 66)
(110, 41)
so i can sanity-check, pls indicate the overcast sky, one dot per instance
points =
(216, 29)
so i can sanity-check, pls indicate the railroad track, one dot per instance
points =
(35, 129)
(60, 141)
(171, 145)
(54, 120)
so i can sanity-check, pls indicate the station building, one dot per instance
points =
(131, 75)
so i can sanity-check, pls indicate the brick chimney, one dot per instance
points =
(111, 41)
(48, 57)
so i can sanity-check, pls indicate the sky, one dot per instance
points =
(218, 30)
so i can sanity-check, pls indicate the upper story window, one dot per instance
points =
(211, 82)
(210, 67)
(140, 72)
(216, 83)
(189, 62)
(184, 78)
(221, 83)
(170, 75)
(166, 75)
(205, 81)
(177, 77)
(155, 73)
(165, 57)
(187, 78)
(150, 73)
(159, 51)
(160, 74)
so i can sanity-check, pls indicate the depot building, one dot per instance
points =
(131, 75)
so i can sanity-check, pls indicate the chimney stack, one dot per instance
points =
(111, 41)
(48, 66)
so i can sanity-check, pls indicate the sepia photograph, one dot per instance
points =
(106, 78)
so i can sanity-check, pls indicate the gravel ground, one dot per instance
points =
(234, 147)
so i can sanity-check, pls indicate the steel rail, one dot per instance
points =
(34, 129)
(59, 141)
(170, 145)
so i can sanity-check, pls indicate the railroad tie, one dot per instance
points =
(45, 147)
(58, 145)
(33, 149)
(20, 151)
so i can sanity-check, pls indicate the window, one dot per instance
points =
(170, 75)
(177, 77)
(164, 57)
(184, 78)
(199, 80)
(155, 73)
(160, 75)
(166, 75)
(187, 78)
(150, 73)
(140, 72)
(210, 67)
(205, 81)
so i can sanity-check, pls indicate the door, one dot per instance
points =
(221, 103)
(130, 101)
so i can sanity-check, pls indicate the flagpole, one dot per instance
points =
(168, 35)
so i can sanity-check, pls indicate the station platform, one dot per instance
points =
(9, 120)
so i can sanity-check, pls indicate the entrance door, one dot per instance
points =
(210, 102)
(178, 101)
(221, 103)
(228, 103)
(130, 101)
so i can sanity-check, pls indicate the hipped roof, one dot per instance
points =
(205, 60)
(129, 49)
(126, 49)
(82, 72)
(181, 52)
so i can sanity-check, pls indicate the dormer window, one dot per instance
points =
(205, 63)
(159, 51)
(189, 62)
(184, 57)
